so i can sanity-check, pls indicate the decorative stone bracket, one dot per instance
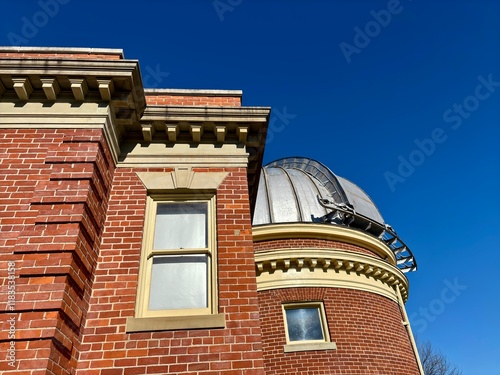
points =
(195, 133)
(286, 268)
(116, 82)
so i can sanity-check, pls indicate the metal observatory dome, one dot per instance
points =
(302, 190)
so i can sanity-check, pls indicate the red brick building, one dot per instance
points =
(138, 235)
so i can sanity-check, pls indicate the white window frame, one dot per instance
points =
(147, 254)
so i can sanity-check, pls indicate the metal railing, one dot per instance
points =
(345, 215)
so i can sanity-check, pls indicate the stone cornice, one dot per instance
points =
(69, 67)
(117, 85)
(115, 82)
(325, 232)
(292, 268)
(245, 127)
(199, 113)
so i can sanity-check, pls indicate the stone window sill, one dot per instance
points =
(289, 348)
(175, 322)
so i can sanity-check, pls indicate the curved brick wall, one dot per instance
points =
(366, 327)
(295, 243)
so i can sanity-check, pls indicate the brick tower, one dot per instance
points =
(330, 275)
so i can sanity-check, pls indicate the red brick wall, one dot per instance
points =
(108, 349)
(54, 188)
(294, 243)
(213, 101)
(366, 327)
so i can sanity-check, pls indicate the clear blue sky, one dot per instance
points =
(361, 104)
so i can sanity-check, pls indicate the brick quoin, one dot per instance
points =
(106, 347)
(54, 187)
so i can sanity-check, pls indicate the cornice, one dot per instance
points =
(67, 66)
(199, 113)
(244, 127)
(117, 83)
(308, 267)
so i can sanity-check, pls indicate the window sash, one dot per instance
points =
(305, 323)
(181, 225)
(201, 297)
(179, 282)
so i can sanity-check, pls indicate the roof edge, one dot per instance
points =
(194, 92)
(67, 50)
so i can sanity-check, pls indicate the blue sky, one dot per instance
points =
(401, 97)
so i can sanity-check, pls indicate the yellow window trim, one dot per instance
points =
(147, 253)
(305, 345)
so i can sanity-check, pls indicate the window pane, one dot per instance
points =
(181, 226)
(179, 282)
(304, 324)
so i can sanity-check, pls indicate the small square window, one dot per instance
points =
(304, 324)
(306, 327)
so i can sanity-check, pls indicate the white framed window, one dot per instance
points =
(178, 262)
(306, 327)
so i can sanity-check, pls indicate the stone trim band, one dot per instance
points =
(291, 268)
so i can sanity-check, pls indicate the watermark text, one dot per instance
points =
(430, 313)
(32, 25)
(11, 306)
(454, 115)
(363, 36)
